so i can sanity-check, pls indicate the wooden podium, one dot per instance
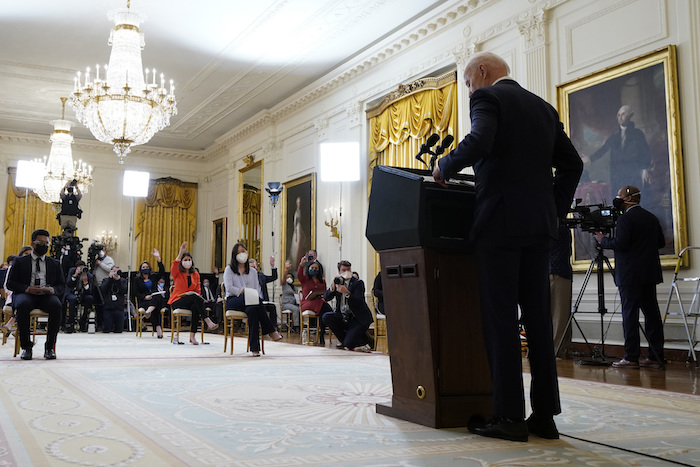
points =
(439, 368)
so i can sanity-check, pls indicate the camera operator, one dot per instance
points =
(113, 290)
(352, 317)
(70, 212)
(79, 284)
(103, 267)
(637, 241)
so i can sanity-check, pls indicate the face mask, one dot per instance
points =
(290, 281)
(187, 264)
(618, 202)
(313, 272)
(102, 254)
(161, 285)
(41, 250)
(242, 257)
(206, 284)
(347, 275)
(145, 271)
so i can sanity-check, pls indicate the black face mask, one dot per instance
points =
(41, 250)
(618, 202)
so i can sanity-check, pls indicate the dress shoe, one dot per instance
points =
(625, 364)
(542, 426)
(646, 363)
(502, 428)
(49, 354)
(27, 354)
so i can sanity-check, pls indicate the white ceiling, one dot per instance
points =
(229, 59)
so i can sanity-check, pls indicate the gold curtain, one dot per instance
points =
(40, 215)
(405, 118)
(250, 226)
(166, 218)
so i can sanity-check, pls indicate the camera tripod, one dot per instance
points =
(597, 357)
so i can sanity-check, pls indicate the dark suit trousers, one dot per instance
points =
(24, 304)
(351, 334)
(195, 304)
(634, 298)
(514, 271)
(257, 318)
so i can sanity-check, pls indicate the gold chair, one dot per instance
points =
(176, 315)
(306, 317)
(34, 317)
(141, 314)
(286, 317)
(6, 314)
(230, 317)
(378, 327)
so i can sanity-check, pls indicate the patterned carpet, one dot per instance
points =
(120, 400)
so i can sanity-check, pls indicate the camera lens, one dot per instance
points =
(338, 280)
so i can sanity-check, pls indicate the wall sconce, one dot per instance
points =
(332, 221)
(108, 240)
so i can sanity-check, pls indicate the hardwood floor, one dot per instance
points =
(677, 377)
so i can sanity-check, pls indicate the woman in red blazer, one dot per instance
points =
(186, 291)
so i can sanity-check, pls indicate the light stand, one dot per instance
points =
(135, 186)
(274, 190)
(30, 174)
(340, 162)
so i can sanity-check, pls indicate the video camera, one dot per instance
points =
(93, 251)
(67, 245)
(592, 218)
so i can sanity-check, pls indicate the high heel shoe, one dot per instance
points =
(213, 328)
(5, 331)
(277, 338)
(194, 342)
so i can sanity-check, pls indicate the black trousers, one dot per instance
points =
(635, 298)
(86, 300)
(351, 334)
(113, 320)
(257, 318)
(157, 302)
(24, 304)
(195, 304)
(514, 271)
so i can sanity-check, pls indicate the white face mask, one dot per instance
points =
(290, 281)
(187, 264)
(242, 257)
(102, 254)
(347, 274)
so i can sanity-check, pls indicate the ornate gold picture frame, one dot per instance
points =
(647, 156)
(218, 244)
(298, 219)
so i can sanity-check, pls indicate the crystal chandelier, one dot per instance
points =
(125, 108)
(59, 168)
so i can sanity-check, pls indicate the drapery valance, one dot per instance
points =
(166, 218)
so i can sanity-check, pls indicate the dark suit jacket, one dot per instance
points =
(139, 286)
(21, 275)
(263, 279)
(513, 158)
(628, 161)
(638, 237)
(356, 301)
(75, 285)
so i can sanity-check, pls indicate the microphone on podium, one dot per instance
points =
(425, 148)
(440, 149)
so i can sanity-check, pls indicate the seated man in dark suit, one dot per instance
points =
(352, 317)
(263, 279)
(37, 281)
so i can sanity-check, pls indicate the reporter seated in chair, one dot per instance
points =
(352, 317)
(79, 288)
(187, 291)
(146, 291)
(239, 276)
(37, 281)
(113, 289)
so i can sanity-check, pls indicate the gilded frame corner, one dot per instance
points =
(588, 107)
